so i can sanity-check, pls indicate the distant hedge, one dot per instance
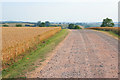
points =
(77, 27)
(72, 26)
(5, 25)
(18, 25)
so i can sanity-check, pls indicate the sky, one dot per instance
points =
(59, 10)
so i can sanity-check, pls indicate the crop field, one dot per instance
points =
(14, 24)
(17, 40)
(116, 30)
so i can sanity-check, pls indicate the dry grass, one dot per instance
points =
(17, 40)
(115, 30)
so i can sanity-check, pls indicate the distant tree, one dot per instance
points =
(42, 24)
(5, 25)
(27, 25)
(47, 23)
(107, 23)
(77, 27)
(55, 25)
(71, 26)
(39, 23)
(18, 25)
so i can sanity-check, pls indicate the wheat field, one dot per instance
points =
(116, 30)
(17, 40)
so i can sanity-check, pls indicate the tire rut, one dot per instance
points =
(84, 54)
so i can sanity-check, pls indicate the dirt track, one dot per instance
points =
(83, 54)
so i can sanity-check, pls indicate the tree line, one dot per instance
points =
(73, 26)
(106, 23)
(43, 24)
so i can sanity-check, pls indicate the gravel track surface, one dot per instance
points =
(83, 54)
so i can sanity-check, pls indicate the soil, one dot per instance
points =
(83, 54)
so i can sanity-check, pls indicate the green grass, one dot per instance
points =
(112, 33)
(18, 69)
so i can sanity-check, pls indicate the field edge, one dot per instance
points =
(26, 64)
(109, 33)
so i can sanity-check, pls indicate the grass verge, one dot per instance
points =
(112, 34)
(27, 63)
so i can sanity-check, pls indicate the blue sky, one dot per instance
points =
(59, 10)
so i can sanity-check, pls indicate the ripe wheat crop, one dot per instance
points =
(17, 40)
(116, 30)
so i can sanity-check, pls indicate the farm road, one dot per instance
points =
(84, 54)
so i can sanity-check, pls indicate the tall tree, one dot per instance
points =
(38, 23)
(71, 26)
(107, 23)
(47, 23)
(42, 24)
